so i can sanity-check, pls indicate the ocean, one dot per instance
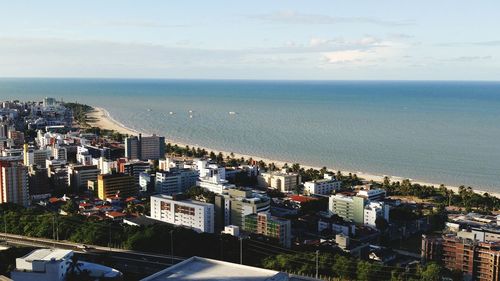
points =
(441, 132)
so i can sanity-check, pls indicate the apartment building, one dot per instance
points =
(232, 206)
(111, 185)
(145, 148)
(350, 208)
(14, 181)
(281, 181)
(478, 261)
(175, 181)
(267, 225)
(198, 216)
(324, 186)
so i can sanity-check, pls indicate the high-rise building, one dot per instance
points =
(374, 210)
(132, 148)
(134, 169)
(13, 181)
(198, 216)
(111, 185)
(232, 207)
(350, 208)
(462, 252)
(79, 175)
(323, 186)
(145, 148)
(39, 181)
(175, 181)
(267, 225)
(281, 181)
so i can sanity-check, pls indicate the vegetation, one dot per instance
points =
(200, 194)
(465, 198)
(8, 258)
(80, 112)
(346, 268)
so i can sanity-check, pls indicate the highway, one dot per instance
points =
(127, 261)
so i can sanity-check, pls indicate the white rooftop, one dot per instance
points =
(203, 269)
(47, 255)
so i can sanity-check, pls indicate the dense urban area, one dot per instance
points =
(85, 203)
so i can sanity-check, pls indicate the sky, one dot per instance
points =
(269, 39)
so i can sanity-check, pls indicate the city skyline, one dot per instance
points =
(324, 40)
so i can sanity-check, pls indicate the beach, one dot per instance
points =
(101, 118)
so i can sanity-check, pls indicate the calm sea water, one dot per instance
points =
(443, 132)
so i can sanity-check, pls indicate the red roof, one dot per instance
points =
(85, 205)
(301, 199)
(53, 200)
(115, 214)
(130, 199)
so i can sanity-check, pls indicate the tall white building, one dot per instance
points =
(212, 177)
(43, 264)
(175, 181)
(281, 181)
(324, 186)
(374, 210)
(372, 194)
(192, 214)
(53, 265)
(106, 166)
(83, 156)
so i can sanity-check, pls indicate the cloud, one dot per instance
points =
(133, 23)
(345, 56)
(492, 43)
(292, 17)
(471, 58)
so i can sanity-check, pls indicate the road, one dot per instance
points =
(127, 261)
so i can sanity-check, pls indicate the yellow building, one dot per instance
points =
(111, 185)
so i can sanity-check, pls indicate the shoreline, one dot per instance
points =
(104, 120)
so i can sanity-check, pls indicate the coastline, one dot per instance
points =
(105, 121)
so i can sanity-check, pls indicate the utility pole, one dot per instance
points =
(109, 236)
(54, 229)
(317, 263)
(221, 249)
(57, 230)
(241, 250)
(172, 247)
(5, 224)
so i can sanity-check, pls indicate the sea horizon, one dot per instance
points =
(431, 131)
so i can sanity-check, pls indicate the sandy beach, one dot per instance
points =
(102, 119)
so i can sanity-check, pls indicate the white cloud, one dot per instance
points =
(345, 56)
(293, 17)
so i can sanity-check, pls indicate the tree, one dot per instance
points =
(212, 155)
(342, 267)
(432, 272)
(397, 275)
(364, 271)
(70, 207)
(298, 189)
(381, 224)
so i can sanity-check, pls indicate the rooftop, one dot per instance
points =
(203, 269)
(168, 197)
(47, 255)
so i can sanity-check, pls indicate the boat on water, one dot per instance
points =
(232, 113)
(171, 113)
(149, 109)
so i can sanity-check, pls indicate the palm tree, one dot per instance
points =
(74, 269)
(323, 170)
